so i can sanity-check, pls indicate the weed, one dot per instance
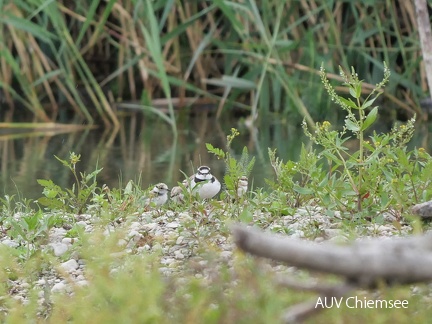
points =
(377, 177)
(236, 170)
(70, 200)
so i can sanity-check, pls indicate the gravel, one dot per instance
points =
(178, 237)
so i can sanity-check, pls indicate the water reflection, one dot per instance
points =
(145, 150)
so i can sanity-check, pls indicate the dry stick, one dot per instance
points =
(425, 34)
(365, 263)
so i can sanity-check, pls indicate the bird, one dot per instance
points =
(177, 194)
(242, 186)
(204, 183)
(158, 195)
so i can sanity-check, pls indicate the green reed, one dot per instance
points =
(262, 57)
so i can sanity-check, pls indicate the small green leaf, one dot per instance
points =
(303, 190)
(370, 119)
(358, 88)
(246, 216)
(368, 103)
(348, 102)
(128, 190)
(45, 183)
(216, 151)
(51, 203)
(352, 126)
(332, 157)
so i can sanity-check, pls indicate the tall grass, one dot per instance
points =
(90, 57)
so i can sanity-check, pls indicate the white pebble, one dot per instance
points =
(150, 226)
(59, 248)
(68, 240)
(10, 243)
(59, 287)
(178, 255)
(69, 265)
(173, 225)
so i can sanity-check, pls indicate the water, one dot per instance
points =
(144, 150)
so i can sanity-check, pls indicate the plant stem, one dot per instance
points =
(360, 160)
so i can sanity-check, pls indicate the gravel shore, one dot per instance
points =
(179, 239)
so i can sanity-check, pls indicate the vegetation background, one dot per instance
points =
(87, 59)
(84, 62)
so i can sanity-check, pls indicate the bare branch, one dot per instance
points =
(365, 263)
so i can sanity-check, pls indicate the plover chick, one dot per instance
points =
(158, 195)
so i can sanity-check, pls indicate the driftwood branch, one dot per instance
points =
(365, 263)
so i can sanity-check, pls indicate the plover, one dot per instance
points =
(242, 186)
(158, 195)
(204, 183)
(177, 194)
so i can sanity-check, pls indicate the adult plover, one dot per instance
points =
(205, 183)
(158, 195)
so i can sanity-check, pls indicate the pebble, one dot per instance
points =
(59, 287)
(150, 226)
(69, 265)
(172, 225)
(176, 240)
(59, 248)
(10, 243)
(68, 240)
(179, 255)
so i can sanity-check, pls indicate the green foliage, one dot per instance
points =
(22, 223)
(150, 50)
(235, 169)
(70, 200)
(380, 175)
(127, 285)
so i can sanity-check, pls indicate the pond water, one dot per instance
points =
(145, 150)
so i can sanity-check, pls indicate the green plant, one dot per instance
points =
(357, 121)
(378, 175)
(175, 50)
(31, 229)
(235, 169)
(26, 227)
(74, 199)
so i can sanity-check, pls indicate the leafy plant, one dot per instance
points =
(170, 49)
(235, 169)
(31, 229)
(379, 175)
(74, 199)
